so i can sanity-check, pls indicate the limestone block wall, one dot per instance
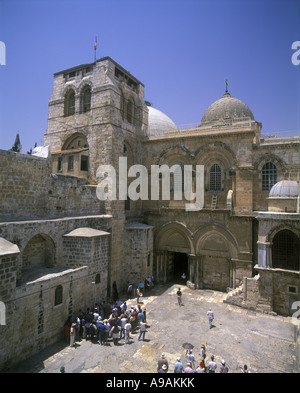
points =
(29, 190)
(138, 252)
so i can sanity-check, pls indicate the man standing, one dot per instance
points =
(178, 366)
(162, 361)
(210, 315)
(179, 297)
(142, 330)
(127, 328)
(212, 365)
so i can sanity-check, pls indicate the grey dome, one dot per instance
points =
(227, 107)
(158, 122)
(285, 189)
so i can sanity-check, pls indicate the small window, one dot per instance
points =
(70, 163)
(292, 289)
(58, 295)
(84, 163)
(59, 164)
(97, 278)
(269, 176)
(215, 178)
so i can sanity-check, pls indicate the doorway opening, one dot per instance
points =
(180, 266)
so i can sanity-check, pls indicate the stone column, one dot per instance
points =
(264, 254)
(161, 266)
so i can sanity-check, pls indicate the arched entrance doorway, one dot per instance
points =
(172, 249)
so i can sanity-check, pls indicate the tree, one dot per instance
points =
(17, 147)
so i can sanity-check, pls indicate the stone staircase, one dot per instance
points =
(235, 296)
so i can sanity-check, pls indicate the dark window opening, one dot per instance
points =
(59, 164)
(58, 295)
(84, 163)
(285, 251)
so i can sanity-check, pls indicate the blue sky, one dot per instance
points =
(182, 50)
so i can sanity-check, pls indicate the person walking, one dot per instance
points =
(178, 366)
(212, 365)
(210, 315)
(142, 330)
(179, 294)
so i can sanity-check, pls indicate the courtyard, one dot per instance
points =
(266, 343)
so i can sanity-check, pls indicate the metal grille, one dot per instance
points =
(215, 178)
(285, 251)
(269, 176)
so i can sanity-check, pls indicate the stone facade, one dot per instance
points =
(61, 248)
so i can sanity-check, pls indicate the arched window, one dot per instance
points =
(215, 178)
(269, 176)
(70, 103)
(58, 295)
(97, 278)
(130, 111)
(285, 251)
(86, 99)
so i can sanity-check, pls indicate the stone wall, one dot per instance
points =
(29, 190)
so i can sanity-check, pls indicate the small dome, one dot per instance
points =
(285, 189)
(158, 122)
(227, 107)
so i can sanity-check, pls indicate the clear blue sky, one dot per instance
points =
(182, 50)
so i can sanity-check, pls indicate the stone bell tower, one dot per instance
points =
(96, 115)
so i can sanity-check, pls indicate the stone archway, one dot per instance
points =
(173, 246)
(38, 253)
(215, 259)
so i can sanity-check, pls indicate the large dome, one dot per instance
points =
(158, 122)
(226, 108)
(285, 189)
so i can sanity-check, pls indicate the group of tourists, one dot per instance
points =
(104, 321)
(193, 367)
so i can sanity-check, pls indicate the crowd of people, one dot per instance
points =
(193, 367)
(111, 320)
(105, 321)
(116, 321)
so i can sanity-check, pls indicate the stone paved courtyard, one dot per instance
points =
(267, 344)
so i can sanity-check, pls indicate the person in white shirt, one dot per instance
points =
(210, 315)
(212, 365)
(127, 328)
(142, 330)
(190, 358)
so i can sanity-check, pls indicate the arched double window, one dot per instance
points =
(69, 103)
(85, 99)
(215, 178)
(269, 176)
